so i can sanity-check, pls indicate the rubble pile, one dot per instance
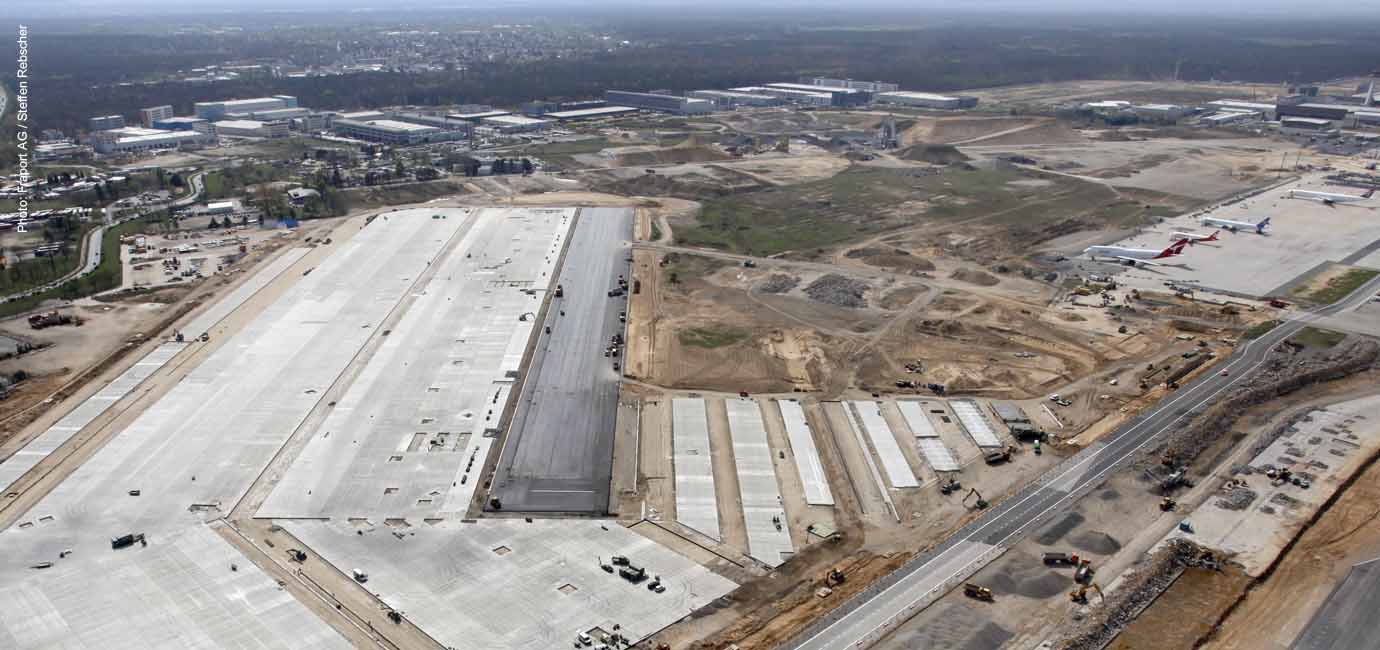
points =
(840, 291)
(778, 283)
(1236, 496)
(1140, 587)
(1283, 376)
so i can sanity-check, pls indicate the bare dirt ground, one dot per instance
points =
(1049, 94)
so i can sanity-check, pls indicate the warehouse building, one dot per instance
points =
(868, 86)
(362, 116)
(178, 123)
(396, 132)
(1266, 110)
(927, 100)
(1309, 126)
(599, 113)
(105, 123)
(272, 115)
(252, 129)
(801, 97)
(658, 102)
(136, 140)
(839, 96)
(515, 123)
(219, 110)
(729, 99)
(148, 116)
(476, 117)
(1159, 112)
(1336, 114)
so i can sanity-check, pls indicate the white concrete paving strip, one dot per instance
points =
(937, 455)
(410, 435)
(504, 584)
(919, 423)
(178, 592)
(12, 468)
(898, 470)
(856, 427)
(192, 454)
(46, 443)
(217, 312)
(807, 462)
(975, 423)
(696, 504)
(768, 539)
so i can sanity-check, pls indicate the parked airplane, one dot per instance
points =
(1133, 256)
(1329, 198)
(1193, 237)
(1258, 227)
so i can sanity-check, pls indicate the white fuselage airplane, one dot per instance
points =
(1234, 226)
(1135, 256)
(1329, 198)
(1193, 237)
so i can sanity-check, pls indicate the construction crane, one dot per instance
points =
(980, 504)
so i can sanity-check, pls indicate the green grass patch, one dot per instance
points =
(656, 231)
(1341, 286)
(1260, 329)
(683, 268)
(712, 337)
(107, 275)
(566, 148)
(1317, 338)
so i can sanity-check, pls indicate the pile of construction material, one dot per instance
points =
(1138, 589)
(840, 291)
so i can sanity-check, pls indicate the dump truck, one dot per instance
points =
(977, 592)
(1060, 559)
(997, 456)
(633, 574)
(51, 319)
(126, 541)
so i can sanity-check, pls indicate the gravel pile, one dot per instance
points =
(1236, 499)
(778, 283)
(837, 290)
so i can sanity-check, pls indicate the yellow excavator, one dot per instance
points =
(1080, 593)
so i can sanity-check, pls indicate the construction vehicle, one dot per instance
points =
(833, 578)
(1177, 478)
(619, 560)
(52, 319)
(980, 504)
(1060, 559)
(560, 291)
(125, 541)
(297, 555)
(1080, 593)
(360, 576)
(1084, 574)
(1168, 505)
(395, 616)
(977, 592)
(950, 487)
(997, 457)
(633, 574)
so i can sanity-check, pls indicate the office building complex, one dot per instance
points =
(147, 116)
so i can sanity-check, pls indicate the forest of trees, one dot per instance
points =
(944, 55)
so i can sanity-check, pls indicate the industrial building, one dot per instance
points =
(177, 123)
(476, 117)
(659, 102)
(1337, 114)
(728, 99)
(515, 123)
(927, 100)
(148, 116)
(598, 113)
(1159, 112)
(219, 110)
(869, 86)
(396, 132)
(1229, 117)
(1306, 126)
(252, 128)
(105, 123)
(1225, 105)
(802, 97)
(839, 96)
(362, 116)
(272, 114)
(138, 140)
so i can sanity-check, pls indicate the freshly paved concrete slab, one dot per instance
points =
(807, 463)
(696, 500)
(919, 423)
(975, 423)
(12, 468)
(1347, 620)
(558, 456)
(768, 539)
(898, 471)
(409, 437)
(937, 455)
(855, 432)
(194, 453)
(177, 593)
(504, 584)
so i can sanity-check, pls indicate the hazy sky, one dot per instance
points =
(1226, 8)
